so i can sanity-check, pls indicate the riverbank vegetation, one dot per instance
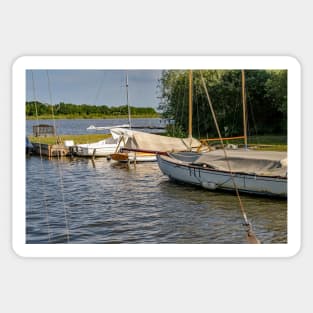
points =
(266, 98)
(277, 143)
(36, 109)
(78, 139)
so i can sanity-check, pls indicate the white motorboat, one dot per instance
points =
(99, 149)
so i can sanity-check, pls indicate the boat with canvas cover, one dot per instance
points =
(247, 171)
(255, 172)
(143, 147)
(137, 146)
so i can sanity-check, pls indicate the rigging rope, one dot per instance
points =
(58, 165)
(41, 162)
(196, 104)
(101, 82)
(251, 237)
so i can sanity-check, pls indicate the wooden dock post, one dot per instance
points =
(50, 150)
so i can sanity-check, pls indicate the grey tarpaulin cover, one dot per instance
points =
(263, 163)
(152, 142)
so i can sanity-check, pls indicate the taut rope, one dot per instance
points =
(59, 167)
(41, 162)
(251, 237)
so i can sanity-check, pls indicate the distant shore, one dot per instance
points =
(90, 116)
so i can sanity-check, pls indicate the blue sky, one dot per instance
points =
(99, 87)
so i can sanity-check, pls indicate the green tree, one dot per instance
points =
(266, 101)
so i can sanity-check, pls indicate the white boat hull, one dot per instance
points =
(221, 180)
(92, 151)
(100, 148)
(134, 157)
(142, 158)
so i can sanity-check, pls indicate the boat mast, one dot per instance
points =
(190, 105)
(244, 108)
(129, 119)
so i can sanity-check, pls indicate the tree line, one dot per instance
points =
(36, 108)
(266, 98)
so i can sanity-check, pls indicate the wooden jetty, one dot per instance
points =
(56, 150)
(44, 130)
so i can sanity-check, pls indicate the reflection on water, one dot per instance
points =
(106, 202)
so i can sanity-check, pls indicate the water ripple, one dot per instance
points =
(107, 202)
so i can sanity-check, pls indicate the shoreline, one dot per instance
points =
(89, 138)
(91, 117)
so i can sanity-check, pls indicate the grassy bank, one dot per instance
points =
(78, 139)
(271, 143)
(263, 142)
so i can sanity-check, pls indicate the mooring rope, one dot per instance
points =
(58, 165)
(251, 237)
(41, 162)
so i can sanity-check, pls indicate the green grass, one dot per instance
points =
(262, 142)
(270, 143)
(78, 139)
(268, 139)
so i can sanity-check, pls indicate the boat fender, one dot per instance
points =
(284, 162)
(208, 185)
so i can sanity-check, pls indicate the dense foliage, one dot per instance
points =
(34, 109)
(266, 97)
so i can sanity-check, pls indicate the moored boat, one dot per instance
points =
(101, 148)
(254, 172)
(141, 146)
(133, 157)
(247, 171)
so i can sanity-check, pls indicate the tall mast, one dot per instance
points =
(244, 108)
(190, 105)
(129, 118)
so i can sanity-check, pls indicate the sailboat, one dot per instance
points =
(126, 138)
(128, 145)
(255, 172)
(140, 146)
(100, 148)
(136, 146)
(106, 147)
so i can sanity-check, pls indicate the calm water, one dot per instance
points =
(81, 201)
(107, 202)
(79, 126)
